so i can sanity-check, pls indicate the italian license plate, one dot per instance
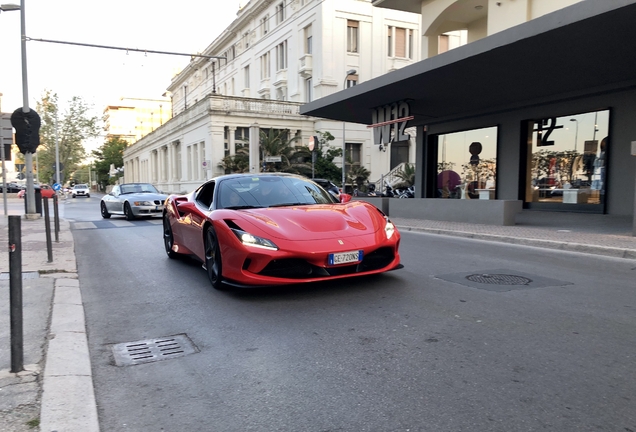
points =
(345, 257)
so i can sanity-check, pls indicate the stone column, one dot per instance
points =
(231, 140)
(255, 148)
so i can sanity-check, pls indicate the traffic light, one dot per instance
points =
(27, 130)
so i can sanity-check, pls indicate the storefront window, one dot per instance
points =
(467, 164)
(567, 159)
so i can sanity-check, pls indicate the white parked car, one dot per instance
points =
(133, 200)
(81, 190)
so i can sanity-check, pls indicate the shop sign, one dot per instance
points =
(389, 123)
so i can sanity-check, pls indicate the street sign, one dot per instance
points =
(273, 158)
(6, 134)
(206, 164)
(57, 187)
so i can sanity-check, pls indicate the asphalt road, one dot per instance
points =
(419, 349)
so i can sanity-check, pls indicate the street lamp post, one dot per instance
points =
(28, 157)
(5, 8)
(576, 135)
(344, 142)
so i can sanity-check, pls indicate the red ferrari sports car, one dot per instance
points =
(276, 229)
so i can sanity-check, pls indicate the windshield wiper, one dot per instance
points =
(242, 207)
(288, 204)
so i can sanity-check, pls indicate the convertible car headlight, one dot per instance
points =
(143, 203)
(252, 240)
(389, 228)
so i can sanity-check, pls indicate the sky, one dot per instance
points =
(102, 76)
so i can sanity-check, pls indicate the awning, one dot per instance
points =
(586, 48)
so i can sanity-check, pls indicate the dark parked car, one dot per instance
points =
(12, 188)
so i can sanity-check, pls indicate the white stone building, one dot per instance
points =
(278, 55)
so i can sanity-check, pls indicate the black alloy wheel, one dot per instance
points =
(213, 259)
(128, 212)
(105, 213)
(168, 238)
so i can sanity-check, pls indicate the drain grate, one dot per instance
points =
(498, 279)
(152, 350)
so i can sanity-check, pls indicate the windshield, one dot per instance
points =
(138, 188)
(270, 191)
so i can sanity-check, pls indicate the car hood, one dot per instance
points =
(143, 197)
(312, 222)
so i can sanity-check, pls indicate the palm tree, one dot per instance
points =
(276, 143)
(406, 176)
(358, 175)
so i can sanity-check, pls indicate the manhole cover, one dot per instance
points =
(498, 279)
(501, 280)
(152, 350)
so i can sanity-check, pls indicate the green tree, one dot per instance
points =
(406, 176)
(359, 176)
(276, 142)
(239, 162)
(111, 152)
(324, 167)
(75, 125)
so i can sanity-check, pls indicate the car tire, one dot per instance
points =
(88, 195)
(104, 210)
(73, 195)
(128, 212)
(213, 262)
(168, 238)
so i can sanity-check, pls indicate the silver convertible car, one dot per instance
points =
(133, 200)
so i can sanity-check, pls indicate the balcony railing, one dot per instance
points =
(264, 106)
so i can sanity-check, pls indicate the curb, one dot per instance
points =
(548, 244)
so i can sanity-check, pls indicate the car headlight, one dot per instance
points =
(389, 228)
(251, 240)
(143, 203)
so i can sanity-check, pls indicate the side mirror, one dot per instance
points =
(344, 198)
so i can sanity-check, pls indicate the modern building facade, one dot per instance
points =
(274, 57)
(534, 111)
(133, 118)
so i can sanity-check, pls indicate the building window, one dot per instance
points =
(246, 76)
(264, 25)
(281, 56)
(467, 163)
(265, 67)
(568, 159)
(308, 40)
(281, 93)
(450, 40)
(309, 90)
(400, 42)
(353, 155)
(352, 36)
(352, 80)
(280, 13)
(246, 39)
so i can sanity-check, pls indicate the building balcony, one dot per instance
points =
(281, 78)
(235, 105)
(306, 66)
(395, 63)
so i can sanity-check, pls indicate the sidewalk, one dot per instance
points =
(56, 389)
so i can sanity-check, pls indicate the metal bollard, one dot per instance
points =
(15, 297)
(56, 218)
(47, 224)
